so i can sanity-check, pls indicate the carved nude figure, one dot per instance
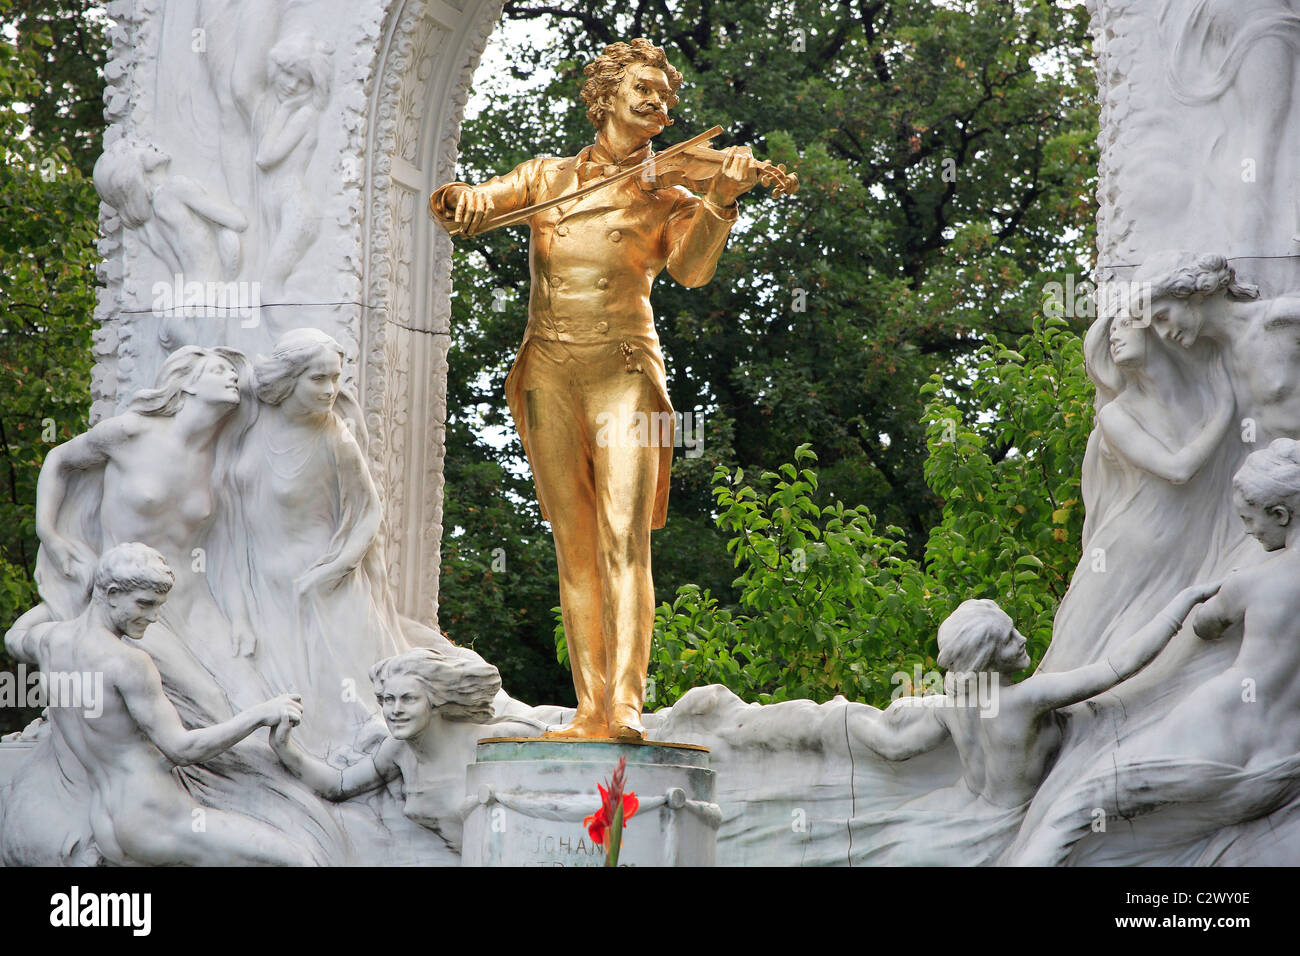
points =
(1194, 297)
(1006, 734)
(287, 130)
(1231, 745)
(140, 813)
(149, 474)
(437, 708)
(194, 233)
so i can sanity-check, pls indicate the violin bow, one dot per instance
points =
(519, 215)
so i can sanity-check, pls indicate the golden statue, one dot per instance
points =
(589, 375)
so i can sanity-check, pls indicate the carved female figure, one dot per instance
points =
(1155, 466)
(1229, 752)
(193, 233)
(287, 132)
(147, 475)
(1199, 297)
(437, 708)
(1007, 735)
(301, 518)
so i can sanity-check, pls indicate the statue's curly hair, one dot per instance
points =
(1180, 274)
(605, 73)
(1271, 476)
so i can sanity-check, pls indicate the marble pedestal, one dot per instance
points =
(527, 799)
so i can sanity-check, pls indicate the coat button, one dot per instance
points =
(602, 327)
(602, 283)
(615, 236)
(561, 230)
(555, 282)
(560, 327)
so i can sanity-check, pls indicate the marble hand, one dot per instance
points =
(283, 710)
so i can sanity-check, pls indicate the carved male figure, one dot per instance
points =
(591, 354)
(140, 813)
(1193, 297)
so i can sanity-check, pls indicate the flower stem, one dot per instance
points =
(615, 837)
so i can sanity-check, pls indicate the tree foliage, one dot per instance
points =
(831, 603)
(47, 295)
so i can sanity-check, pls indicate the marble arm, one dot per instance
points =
(1137, 445)
(906, 729)
(141, 688)
(86, 451)
(1220, 612)
(329, 782)
(212, 209)
(22, 638)
(355, 475)
(277, 146)
(696, 234)
(1049, 691)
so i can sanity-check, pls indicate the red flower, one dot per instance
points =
(599, 822)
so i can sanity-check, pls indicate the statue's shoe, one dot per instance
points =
(582, 727)
(626, 724)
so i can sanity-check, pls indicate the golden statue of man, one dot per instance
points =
(589, 375)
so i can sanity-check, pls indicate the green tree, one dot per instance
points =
(47, 299)
(65, 46)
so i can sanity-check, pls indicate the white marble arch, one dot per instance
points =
(378, 275)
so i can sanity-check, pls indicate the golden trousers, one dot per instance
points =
(594, 449)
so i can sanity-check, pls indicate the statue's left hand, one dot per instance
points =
(737, 176)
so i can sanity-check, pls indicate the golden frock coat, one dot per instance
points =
(592, 263)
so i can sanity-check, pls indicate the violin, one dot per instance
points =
(692, 164)
(695, 167)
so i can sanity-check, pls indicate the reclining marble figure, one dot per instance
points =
(437, 709)
(1006, 734)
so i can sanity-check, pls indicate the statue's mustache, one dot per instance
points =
(651, 108)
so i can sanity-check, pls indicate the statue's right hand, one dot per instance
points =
(473, 209)
(287, 708)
